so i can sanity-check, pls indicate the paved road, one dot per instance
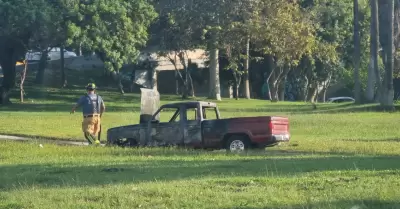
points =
(48, 141)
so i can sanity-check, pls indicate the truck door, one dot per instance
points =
(212, 128)
(168, 131)
(192, 127)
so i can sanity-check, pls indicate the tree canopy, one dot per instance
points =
(305, 44)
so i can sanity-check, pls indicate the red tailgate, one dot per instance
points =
(279, 125)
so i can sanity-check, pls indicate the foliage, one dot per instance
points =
(113, 29)
(175, 39)
(24, 23)
(284, 31)
(332, 57)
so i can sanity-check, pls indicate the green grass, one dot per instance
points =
(329, 128)
(340, 156)
(98, 177)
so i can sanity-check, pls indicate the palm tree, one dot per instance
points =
(387, 100)
(356, 24)
(373, 71)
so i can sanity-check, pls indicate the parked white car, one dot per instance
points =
(340, 99)
(34, 56)
(54, 54)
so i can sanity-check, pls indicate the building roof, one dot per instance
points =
(197, 56)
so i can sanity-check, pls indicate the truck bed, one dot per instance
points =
(261, 130)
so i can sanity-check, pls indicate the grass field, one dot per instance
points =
(340, 156)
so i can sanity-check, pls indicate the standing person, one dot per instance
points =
(92, 108)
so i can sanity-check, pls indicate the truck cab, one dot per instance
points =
(180, 123)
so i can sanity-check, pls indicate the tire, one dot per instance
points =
(237, 144)
(127, 142)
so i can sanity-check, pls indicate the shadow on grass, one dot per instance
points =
(149, 169)
(340, 204)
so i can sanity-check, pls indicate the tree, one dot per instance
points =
(235, 66)
(334, 30)
(373, 70)
(22, 81)
(285, 34)
(115, 30)
(22, 23)
(175, 40)
(214, 17)
(357, 88)
(388, 91)
(52, 34)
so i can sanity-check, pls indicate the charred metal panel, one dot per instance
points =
(166, 134)
(125, 132)
(193, 134)
(149, 104)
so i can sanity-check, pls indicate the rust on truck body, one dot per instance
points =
(200, 131)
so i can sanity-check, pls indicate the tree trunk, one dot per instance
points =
(154, 80)
(312, 92)
(274, 92)
(230, 90)
(246, 70)
(375, 46)
(237, 87)
(117, 78)
(120, 86)
(62, 66)
(373, 69)
(185, 92)
(357, 83)
(237, 81)
(80, 49)
(7, 62)
(4, 96)
(324, 95)
(21, 85)
(273, 80)
(176, 83)
(370, 91)
(282, 87)
(191, 86)
(215, 91)
(42, 67)
(388, 87)
(325, 87)
(304, 89)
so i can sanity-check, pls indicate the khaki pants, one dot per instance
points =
(91, 125)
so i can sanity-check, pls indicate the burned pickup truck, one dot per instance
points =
(198, 125)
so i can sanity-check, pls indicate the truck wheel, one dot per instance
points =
(237, 143)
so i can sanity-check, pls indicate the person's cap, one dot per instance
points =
(91, 86)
